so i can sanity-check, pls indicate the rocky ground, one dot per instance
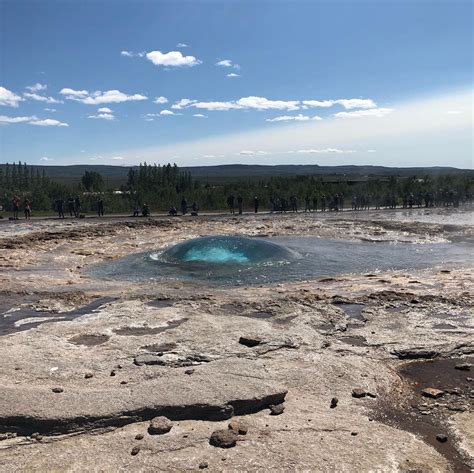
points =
(332, 374)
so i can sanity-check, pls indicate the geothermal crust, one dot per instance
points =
(327, 374)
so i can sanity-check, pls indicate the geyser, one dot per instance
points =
(232, 260)
(224, 250)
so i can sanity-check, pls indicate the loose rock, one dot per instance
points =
(463, 366)
(441, 438)
(159, 425)
(135, 451)
(250, 341)
(223, 439)
(57, 390)
(334, 402)
(358, 393)
(88, 375)
(432, 393)
(277, 410)
(238, 426)
(139, 437)
(203, 465)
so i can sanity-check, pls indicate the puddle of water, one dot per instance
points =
(440, 374)
(354, 311)
(161, 303)
(140, 331)
(355, 340)
(91, 340)
(11, 322)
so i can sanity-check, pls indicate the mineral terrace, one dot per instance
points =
(358, 372)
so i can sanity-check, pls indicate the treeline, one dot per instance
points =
(163, 187)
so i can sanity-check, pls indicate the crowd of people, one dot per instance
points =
(235, 204)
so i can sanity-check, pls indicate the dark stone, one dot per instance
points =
(159, 425)
(57, 390)
(139, 437)
(277, 410)
(3, 437)
(191, 371)
(203, 465)
(334, 402)
(88, 375)
(223, 438)
(354, 433)
(123, 382)
(415, 353)
(249, 341)
(441, 438)
(463, 366)
(358, 393)
(135, 451)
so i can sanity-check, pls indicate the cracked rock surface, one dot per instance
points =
(124, 353)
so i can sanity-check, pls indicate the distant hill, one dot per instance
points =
(116, 175)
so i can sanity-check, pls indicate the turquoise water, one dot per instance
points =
(229, 260)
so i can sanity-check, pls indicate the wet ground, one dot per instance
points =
(87, 361)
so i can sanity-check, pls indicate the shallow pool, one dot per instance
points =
(225, 260)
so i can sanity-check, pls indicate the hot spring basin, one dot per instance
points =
(229, 260)
(224, 250)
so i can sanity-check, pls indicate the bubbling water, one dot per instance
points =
(224, 250)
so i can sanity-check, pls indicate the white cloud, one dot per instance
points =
(182, 45)
(219, 106)
(8, 98)
(41, 98)
(103, 116)
(172, 59)
(348, 104)
(126, 53)
(48, 122)
(50, 109)
(160, 100)
(36, 87)
(326, 151)
(262, 103)
(252, 153)
(32, 120)
(45, 158)
(149, 119)
(4, 120)
(199, 115)
(257, 103)
(373, 112)
(318, 103)
(297, 118)
(98, 97)
(233, 74)
(117, 158)
(168, 112)
(227, 63)
(416, 133)
(183, 103)
(105, 110)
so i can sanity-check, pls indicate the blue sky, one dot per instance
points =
(325, 82)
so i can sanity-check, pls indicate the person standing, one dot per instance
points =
(100, 207)
(27, 209)
(240, 204)
(184, 206)
(77, 207)
(230, 203)
(70, 206)
(60, 208)
(256, 204)
(16, 207)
